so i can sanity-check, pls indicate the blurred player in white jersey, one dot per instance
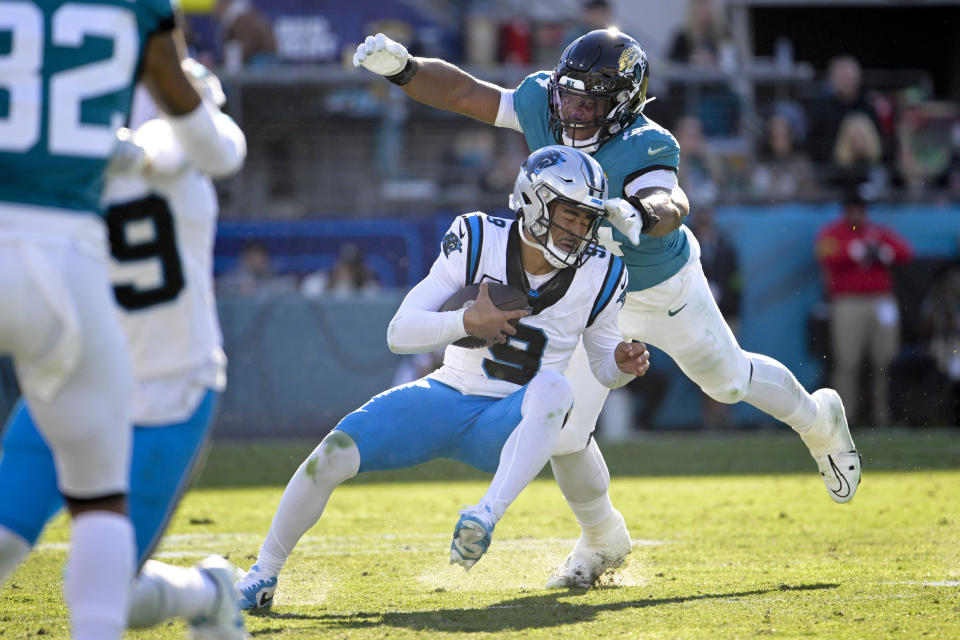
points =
(161, 215)
(499, 409)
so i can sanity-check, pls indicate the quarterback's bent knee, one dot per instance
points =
(335, 459)
(551, 392)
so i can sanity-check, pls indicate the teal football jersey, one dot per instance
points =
(67, 71)
(643, 146)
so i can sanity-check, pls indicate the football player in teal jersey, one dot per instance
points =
(593, 100)
(68, 76)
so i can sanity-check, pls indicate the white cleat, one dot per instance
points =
(225, 621)
(590, 560)
(471, 536)
(832, 447)
(256, 589)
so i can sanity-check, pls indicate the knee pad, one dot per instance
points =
(550, 392)
(335, 459)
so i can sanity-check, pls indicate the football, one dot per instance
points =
(503, 296)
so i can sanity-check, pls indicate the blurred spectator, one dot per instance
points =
(858, 156)
(244, 33)
(783, 171)
(348, 276)
(254, 274)
(928, 135)
(843, 95)
(856, 257)
(721, 266)
(703, 43)
(701, 174)
(940, 320)
(594, 14)
(516, 41)
(703, 40)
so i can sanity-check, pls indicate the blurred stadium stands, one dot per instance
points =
(337, 155)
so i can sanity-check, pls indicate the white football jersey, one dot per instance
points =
(569, 303)
(161, 236)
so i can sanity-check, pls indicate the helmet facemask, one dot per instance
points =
(600, 83)
(550, 206)
(562, 244)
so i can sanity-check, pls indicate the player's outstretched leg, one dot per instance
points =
(604, 541)
(832, 447)
(334, 460)
(203, 595)
(546, 400)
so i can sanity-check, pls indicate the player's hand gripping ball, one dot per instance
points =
(503, 297)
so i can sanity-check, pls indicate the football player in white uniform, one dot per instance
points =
(161, 213)
(498, 408)
(67, 80)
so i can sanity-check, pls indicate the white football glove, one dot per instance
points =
(152, 151)
(381, 55)
(126, 157)
(626, 219)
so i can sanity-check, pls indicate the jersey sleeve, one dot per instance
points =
(506, 114)
(650, 148)
(418, 326)
(532, 110)
(602, 335)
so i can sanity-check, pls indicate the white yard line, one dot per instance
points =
(201, 544)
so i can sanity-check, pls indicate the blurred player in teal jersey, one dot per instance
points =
(593, 100)
(68, 75)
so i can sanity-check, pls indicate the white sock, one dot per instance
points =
(163, 591)
(584, 479)
(13, 549)
(96, 584)
(526, 451)
(335, 460)
(775, 391)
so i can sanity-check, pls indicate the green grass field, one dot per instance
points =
(735, 537)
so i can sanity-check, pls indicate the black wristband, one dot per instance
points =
(648, 218)
(409, 70)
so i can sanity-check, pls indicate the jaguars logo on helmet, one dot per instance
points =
(604, 66)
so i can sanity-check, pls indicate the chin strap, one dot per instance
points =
(545, 248)
(587, 146)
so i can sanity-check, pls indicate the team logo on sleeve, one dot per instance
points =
(451, 243)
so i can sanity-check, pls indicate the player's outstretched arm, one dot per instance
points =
(428, 80)
(669, 206)
(212, 140)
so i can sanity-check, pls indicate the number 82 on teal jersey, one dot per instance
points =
(67, 71)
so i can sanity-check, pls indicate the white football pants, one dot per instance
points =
(681, 318)
(60, 326)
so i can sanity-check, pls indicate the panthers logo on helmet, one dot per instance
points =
(450, 244)
(540, 161)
